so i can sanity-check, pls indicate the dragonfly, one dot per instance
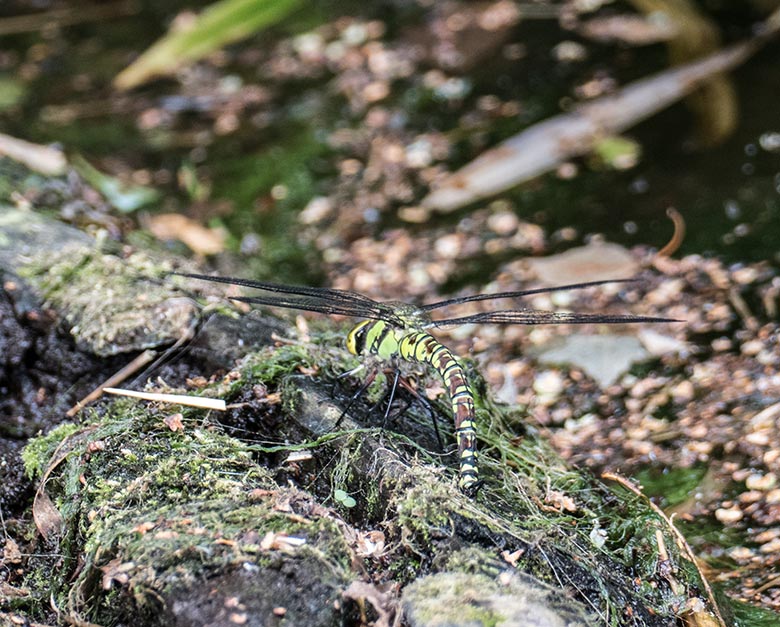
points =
(396, 330)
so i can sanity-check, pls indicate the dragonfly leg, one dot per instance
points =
(363, 387)
(393, 388)
(341, 376)
(350, 372)
(428, 407)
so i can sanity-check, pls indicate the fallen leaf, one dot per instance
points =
(47, 517)
(11, 552)
(8, 592)
(174, 422)
(592, 262)
(174, 226)
(544, 146)
(603, 357)
(116, 571)
(220, 24)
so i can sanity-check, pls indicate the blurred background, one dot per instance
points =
(294, 137)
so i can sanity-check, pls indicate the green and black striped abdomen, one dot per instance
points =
(386, 341)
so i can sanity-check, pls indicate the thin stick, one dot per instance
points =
(179, 399)
(677, 236)
(66, 16)
(681, 541)
(115, 379)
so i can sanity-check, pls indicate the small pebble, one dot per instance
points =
(766, 536)
(548, 386)
(740, 553)
(773, 546)
(503, 223)
(751, 347)
(316, 210)
(773, 497)
(683, 392)
(448, 246)
(751, 496)
(730, 515)
(759, 439)
(745, 275)
(761, 482)
(721, 344)
(771, 456)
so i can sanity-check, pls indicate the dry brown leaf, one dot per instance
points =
(560, 501)
(174, 422)
(174, 226)
(116, 571)
(11, 552)
(47, 517)
(371, 544)
(380, 598)
(586, 263)
(8, 592)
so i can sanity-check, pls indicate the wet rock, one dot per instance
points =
(450, 599)
(603, 357)
(110, 304)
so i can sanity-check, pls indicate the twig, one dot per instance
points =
(131, 368)
(203, 402)
(742, 309)
(677, 236)
(682, 543)
(67, 16)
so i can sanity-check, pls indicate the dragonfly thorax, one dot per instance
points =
(375, 337)
(383, 337)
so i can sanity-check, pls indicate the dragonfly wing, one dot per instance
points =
(377, 312)
(318, 299)
(538, 290)
(534, 316)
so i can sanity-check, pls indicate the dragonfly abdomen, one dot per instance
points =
(377, 337)
(422, 347)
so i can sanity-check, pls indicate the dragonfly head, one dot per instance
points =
(356, 339)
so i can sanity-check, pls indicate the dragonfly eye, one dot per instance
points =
(356, 340)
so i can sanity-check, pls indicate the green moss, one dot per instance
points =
(160, 507)
(271, 364)
(424, 508)
(449, 599)
(38, 452)
(134, 312)
(132, 490)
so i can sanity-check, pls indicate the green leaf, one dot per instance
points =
(123, 197)
(220, 24)
(617, 152)
(345, 499)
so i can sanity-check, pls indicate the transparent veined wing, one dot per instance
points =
(521, 293)
(536, 316)
(325, 300)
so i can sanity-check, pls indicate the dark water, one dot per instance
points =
(729, 195)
